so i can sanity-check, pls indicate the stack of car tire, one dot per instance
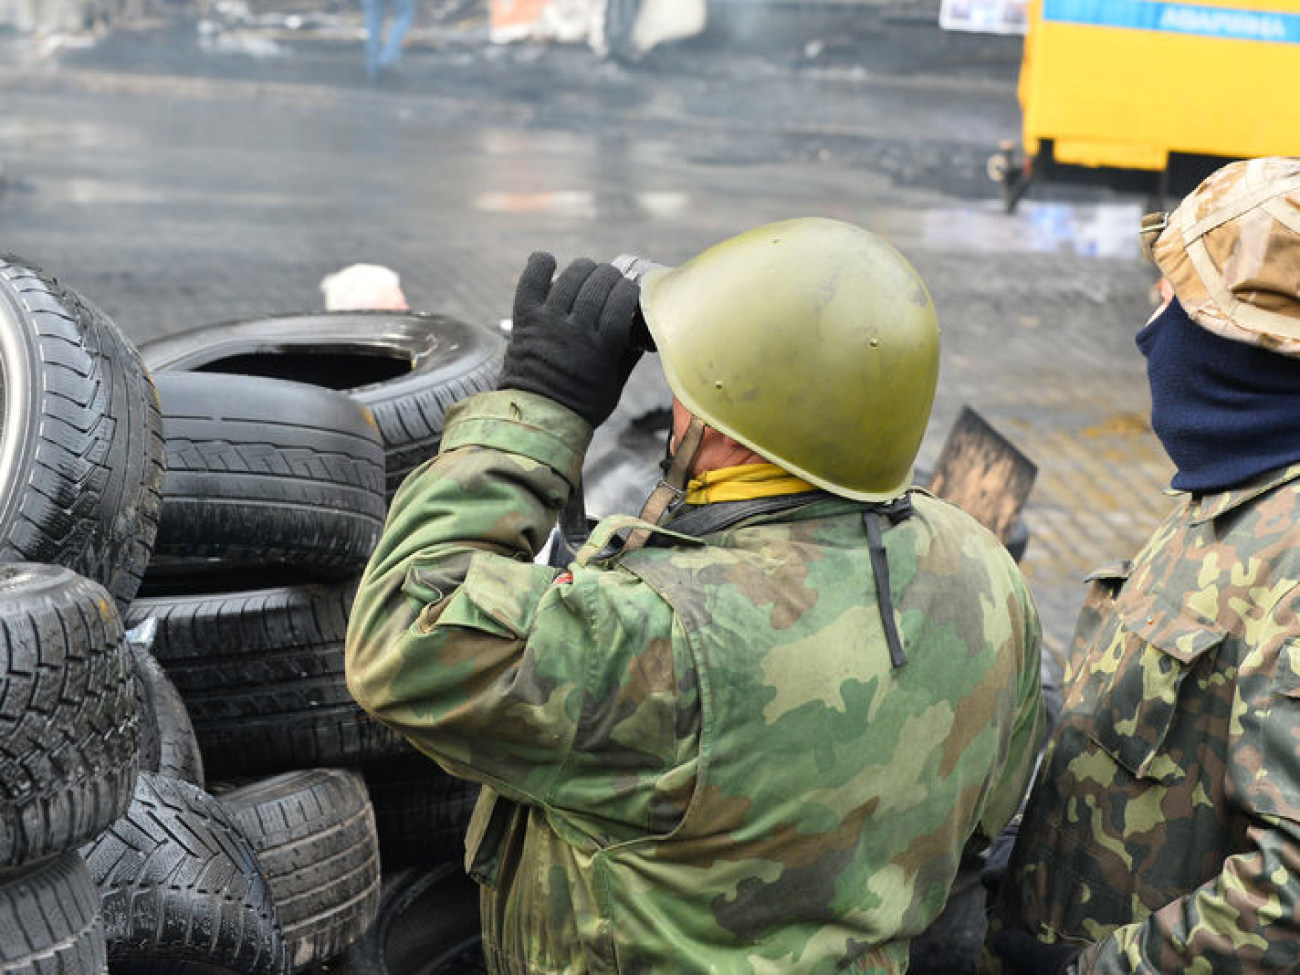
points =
(185, 784)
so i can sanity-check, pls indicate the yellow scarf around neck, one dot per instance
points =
(743, 482)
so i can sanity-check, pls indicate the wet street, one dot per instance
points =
(175, 185)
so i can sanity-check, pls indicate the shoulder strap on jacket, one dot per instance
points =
(873, 519)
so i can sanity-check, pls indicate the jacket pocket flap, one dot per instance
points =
(1180, 633)
(1154, 654)
(498, 596)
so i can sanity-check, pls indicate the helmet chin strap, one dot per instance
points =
(672, 486)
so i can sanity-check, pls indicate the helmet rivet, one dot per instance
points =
(717, 384)
(874, 342)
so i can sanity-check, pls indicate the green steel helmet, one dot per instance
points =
(811, 341)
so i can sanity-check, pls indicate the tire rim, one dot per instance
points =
(16, 420)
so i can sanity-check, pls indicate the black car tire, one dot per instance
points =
(68, 723)
(49, 920)
(421, 812)
(180, 889)
(168, 745)
(314, 834)
(265, 472)
(407, 367)
(81, 451)
(261, 673)
(428, 925)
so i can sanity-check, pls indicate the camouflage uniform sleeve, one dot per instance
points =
(1231, 924)
(1027, 730)
(1247, 918)
(491, 664)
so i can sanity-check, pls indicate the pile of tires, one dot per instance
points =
(185, 784)
(68, 762)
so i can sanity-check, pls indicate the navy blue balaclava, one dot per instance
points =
(1225, 411)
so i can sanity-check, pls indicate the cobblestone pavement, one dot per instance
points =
(176, 186)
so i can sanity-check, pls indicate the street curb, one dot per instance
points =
(306, 94)
(194, 88)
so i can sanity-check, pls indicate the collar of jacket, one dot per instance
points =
(743, 483)
(1211, 506)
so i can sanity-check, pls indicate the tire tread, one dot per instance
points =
(90, 493)
(179, 884)
(68, 724)
(49, 915)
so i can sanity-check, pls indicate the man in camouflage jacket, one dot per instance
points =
(711, 745)
(1163, 834)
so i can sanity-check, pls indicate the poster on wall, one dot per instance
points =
(984, 16)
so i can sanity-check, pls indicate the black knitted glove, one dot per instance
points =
(570, 340)
(1024, 954)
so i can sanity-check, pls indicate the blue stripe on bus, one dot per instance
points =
(1178, 18)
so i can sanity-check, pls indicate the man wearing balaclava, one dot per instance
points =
(1163, 833)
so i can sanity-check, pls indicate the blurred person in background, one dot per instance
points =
(359, 287)
(754, 728)
(384, 52)
(1163, 834)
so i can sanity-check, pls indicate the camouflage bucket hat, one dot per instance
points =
(1232, 253)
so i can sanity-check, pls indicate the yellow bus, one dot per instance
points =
(1128, 84)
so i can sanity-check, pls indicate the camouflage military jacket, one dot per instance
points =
(696, 756)
(1166, 822)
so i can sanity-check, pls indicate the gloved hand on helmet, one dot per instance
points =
(570, 339)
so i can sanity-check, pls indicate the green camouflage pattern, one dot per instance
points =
(1165, 826)
(696, 757)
